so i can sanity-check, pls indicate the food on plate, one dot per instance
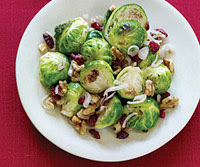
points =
(110, 72)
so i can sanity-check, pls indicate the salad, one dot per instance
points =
(108, 72)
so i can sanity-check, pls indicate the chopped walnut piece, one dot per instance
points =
(117, 69)
(169, 102)
(75, 76)
(76, 67)
(117, 127)
(169, 63)
(62, 90)
(43, 48)
(116, 53)
(81, 128)
(89, 110)
(60, 101)
(94, 99)
(149, 88)
(112, 8)
(76, 120)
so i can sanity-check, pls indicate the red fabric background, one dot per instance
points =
(21, 145)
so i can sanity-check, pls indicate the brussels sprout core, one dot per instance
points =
(134, 77)
(96, 76)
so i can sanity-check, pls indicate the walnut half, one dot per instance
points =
(169, 102)
(81, 128)
(149, 88)
(169, 63)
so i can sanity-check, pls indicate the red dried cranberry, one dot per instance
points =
(101, 94)
(55, 96)
(81, 100)
(92, 120)
(136, 59)
(49, 40)
(118, 62)
(78, 58)
(162, 31)
(147, 26)
(122, 135)
(165, 95)
(96, 26)
(162, 113)
(122, 119)
(94, 133)
(154, 46)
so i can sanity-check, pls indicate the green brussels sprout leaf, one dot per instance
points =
(94, 34)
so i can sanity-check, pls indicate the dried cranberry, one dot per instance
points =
(154, 46)
(92, 120)
(81, 100)
(162, 31)
(78, 58)
(122, 135)
(147, 26)
(94, 133)
(101, 94)
(165, 95)
(55, 96)
(118, 62)
(122, 119)
(49, 40)
(162, 113)
(96, 26)
(136, 59)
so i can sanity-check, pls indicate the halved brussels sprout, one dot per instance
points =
(96, 49)
(94, 34)
(71, 106)
(149, 60)
(49, 68)
(71, 36)
(127, 33)
(160, 76)
(147, 114)
(96, 76)
(125, 12)
(134, 77)
(111, 115)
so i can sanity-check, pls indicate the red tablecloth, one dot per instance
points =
(21, 145)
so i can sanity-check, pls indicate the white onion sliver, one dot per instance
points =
(128, 59)
(43, 103)
(87, 100)
(158, 98)
(71, 70)
(143, 53)
(56, 89)
(138, 99)
(102, 108)
(155, 63)
(107, 98)
(115, 88)
(134, 52)
(61, 65)
(116, 82)
(167, 51)
(127, 118)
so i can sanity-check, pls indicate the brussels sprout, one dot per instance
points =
(160, 76)
(71, 36)
(94, 34)
(111, 115)
(49, 68)
(149, 60)
(134, 77)
(96, 76)
(147, 114)
(125, 12)
(96, 49)
(127, 33)
(74, 92)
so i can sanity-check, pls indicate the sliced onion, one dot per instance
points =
(106, 98)
(152, 39)
(61, 66)
(87, 100)
(71, 70)
(155, 63)
(56, 89)
(127, 118)
(116, 82)
(44, 105)
(115, 88)
(102, 108)
(167, 51)
(143, 53)
(128, 59)
(147, 42)
(158, 98)
(134, 52)
(138, 99)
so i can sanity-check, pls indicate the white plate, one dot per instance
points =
(55, 127)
